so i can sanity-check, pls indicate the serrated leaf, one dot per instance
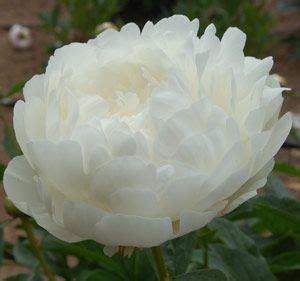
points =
(239, 265)
(203, 275)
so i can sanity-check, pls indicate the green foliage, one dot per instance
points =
(203, 275)
(252, 17)
(32, 276)
(238, 264)
(76, 20)
(287, 169)
(179, 253)
(15, 88)
(23, 255)
(2, 169)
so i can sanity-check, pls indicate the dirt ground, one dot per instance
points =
(21, 65)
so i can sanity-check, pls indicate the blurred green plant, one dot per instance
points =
(253, 17)
(76, 20)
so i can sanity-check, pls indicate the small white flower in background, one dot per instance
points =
(138, 137)
(103, 26)
(20, 36)
(280, 79)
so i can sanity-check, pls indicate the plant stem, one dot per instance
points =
(36, 248)
(205, 253)
(160, 263)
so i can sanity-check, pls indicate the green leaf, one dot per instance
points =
(1, 245)
(140, 265)
(179, 252)
(279, 215)
(23, 255)
(2, 169)
(276, 188)
(287, 169)
(8, 144)
(232, 236)
(25, 277)
(286, 262)
(89, 250)
(239, 265)
(203, 275)
(15, 88)
(98, 275)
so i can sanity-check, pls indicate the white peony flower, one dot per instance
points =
(138, 137)
(20, 36)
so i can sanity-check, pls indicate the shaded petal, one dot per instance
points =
(34, 88)
(133, 231)
(62, 163)
(128, 201)
(192, 220)
(80, 218)
(128, 171)
(19, 183)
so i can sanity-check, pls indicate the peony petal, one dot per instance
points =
(192, 220)
(34, 88)
(62, 163)
(186, 192)
(128, 171)
(126, 230)
(279, 133)
(19, 127)
(45, 220)
(128, 201)
(80, 218)
(19, 184)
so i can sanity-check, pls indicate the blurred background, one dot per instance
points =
(31, 30)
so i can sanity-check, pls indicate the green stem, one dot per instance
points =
(36, 248)
(160, 263)
(205, 253)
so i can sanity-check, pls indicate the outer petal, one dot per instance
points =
(134, 231)
(34, 88)
(20, 187)
(19, 127)
(177, 24)
(81, 218)
(62, 163)
(122, 172)
(19, 183)
(191, 220)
